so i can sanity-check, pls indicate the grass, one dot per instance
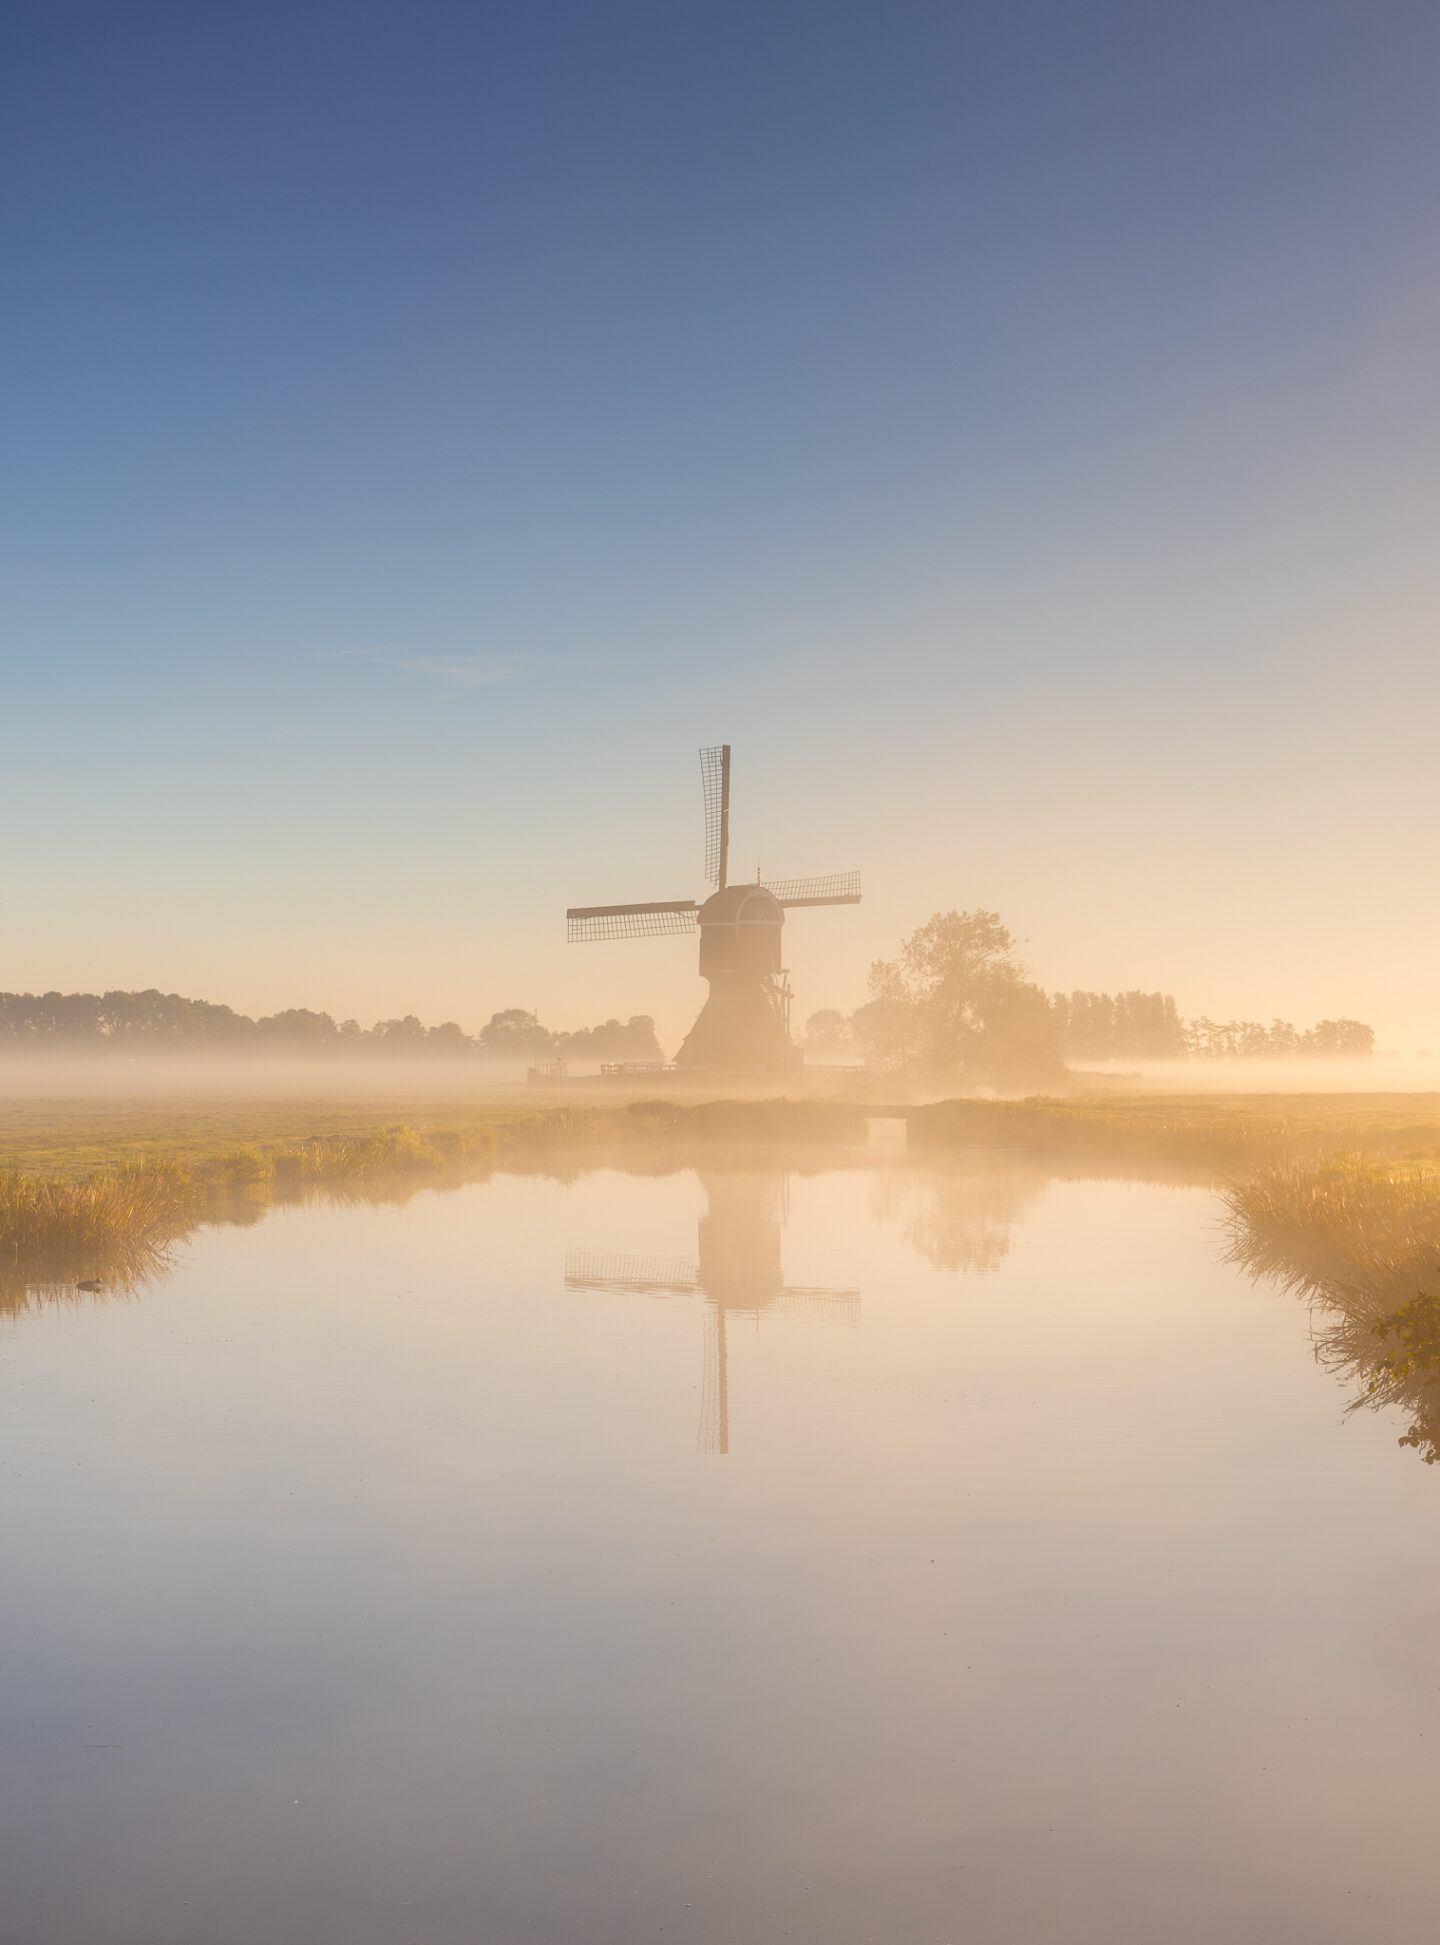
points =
(112, 1227)
(112, 1223)
(1224, 1133)
(1360, 1240)
(101, 1189)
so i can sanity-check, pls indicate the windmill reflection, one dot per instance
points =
(739, 1274)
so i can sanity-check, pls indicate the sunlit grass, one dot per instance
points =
(113, 1225)
(1224, 1132)
(1361, 1241)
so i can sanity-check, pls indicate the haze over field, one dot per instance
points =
(1014, 428)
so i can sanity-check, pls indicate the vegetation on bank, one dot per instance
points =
(1359, 1236)
(113, 1224)
(956, 1004)
(1225, 1133)
(1360, 1240)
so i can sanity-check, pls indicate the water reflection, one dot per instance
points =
(960, 1213)
(339, 1604)
(739, 1273)
(1362, 1247)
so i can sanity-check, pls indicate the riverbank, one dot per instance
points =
(1359, 1240)
(103, 1206)
(1226, 1132)
(95, 1188)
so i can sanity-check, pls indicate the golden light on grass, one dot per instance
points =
(1360, 1240)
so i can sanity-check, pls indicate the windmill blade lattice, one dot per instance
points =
(839, 888)
(715, 783)
(744, 1025)
(584, 922)
(629, 1276)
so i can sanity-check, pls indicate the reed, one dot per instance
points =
(1360, 1241)
(114, 1225)
(111, 1228)
(39, 1213)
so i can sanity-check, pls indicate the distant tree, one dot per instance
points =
(632, 1039)
(405, 1036)
(641, 1040)
(956, 1003)
(827, 1031)
(297, 1030)
(891, 1033)
(1340, 1039)
(515, 1035)
(1129, 1026)
(449, 1040)
(1248, 1040)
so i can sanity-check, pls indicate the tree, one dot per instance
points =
(405, 1036)
(827, 1031)
(1340, 1039)
(298, 1030)
(632, 1039)
(515, 1035)
(957, 1005)
(449, 1038)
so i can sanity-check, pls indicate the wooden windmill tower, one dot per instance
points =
(744, 1026)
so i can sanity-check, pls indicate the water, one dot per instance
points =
(881, 1554)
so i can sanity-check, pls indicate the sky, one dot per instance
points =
(1013, 428)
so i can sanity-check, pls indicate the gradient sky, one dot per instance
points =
(1013, 427)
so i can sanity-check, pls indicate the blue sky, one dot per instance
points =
(1014, 428)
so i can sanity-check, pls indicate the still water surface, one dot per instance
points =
(879, 1553)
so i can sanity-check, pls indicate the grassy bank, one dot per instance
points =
(100, 1189)
(1225, 1133)
(113, 1223)
(1360, 1240)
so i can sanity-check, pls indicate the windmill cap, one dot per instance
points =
(741, 905)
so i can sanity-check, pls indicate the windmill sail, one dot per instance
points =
(713, 1437)
(715, 783)
(584, 922)
(629, 1276)
(839, 888)
(744, 1025)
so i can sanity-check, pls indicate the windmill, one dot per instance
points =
(744, 1026)
(739, 1274)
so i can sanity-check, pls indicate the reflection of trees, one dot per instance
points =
(1362, 1244)
(739, 1273)
(960, 1216)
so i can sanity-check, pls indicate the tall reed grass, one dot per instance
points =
(115, 1225)
(1360, 1241)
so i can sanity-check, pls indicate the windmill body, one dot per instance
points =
(744, 1026)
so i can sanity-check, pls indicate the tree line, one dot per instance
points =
(153, 1022)
(1146, 1026)
(956, 1005)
